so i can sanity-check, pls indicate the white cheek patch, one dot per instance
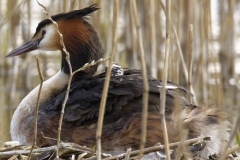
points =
(47, 43)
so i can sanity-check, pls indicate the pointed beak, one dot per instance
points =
(27, 47)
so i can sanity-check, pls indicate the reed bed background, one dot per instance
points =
(215, 46)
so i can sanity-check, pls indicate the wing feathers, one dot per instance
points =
(124, 97)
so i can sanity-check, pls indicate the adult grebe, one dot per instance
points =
(122, 121)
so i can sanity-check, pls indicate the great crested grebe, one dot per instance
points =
(122, 120)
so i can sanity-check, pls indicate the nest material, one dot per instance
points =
(76, 152)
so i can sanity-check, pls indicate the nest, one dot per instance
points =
(77, 152)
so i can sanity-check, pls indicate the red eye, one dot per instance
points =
(43, 32)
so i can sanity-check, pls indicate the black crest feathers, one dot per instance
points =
(72, 14)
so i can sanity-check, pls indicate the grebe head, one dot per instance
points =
(80, 39)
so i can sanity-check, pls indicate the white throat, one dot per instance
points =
(28, 104)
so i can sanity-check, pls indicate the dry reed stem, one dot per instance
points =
(190, 61)
(70, 76)
(179, 32)
(206, 50)
(181, 148)
(185, 71)
(11, 13)
(80, 157)
(178, 43)
(153, 40)
(74, 4)
(66, 6)
(37, 107)
(69, 80)
(145, 81)
(162, 147)
(127, 156)
(133, 39)
(164, 79)
(64, 146)
(232, 149)
(218, 90)
(163, 99)
(73, 157)
(180, 16)
(106, 83)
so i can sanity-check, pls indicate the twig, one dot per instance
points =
(161, 147)
(52, 155)
(91, 158)
(190, 61)
(164, 79)
(145, 81)
(106, 84)
(37, 107)
(87, 65)
(48, 137)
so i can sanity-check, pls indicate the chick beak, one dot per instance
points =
(27, 47)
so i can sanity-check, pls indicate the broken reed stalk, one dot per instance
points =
(127, 154)
(145, 81)
(37, 106)
(164, 79)
(190, 61)
(162, 147)
(106, 83)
